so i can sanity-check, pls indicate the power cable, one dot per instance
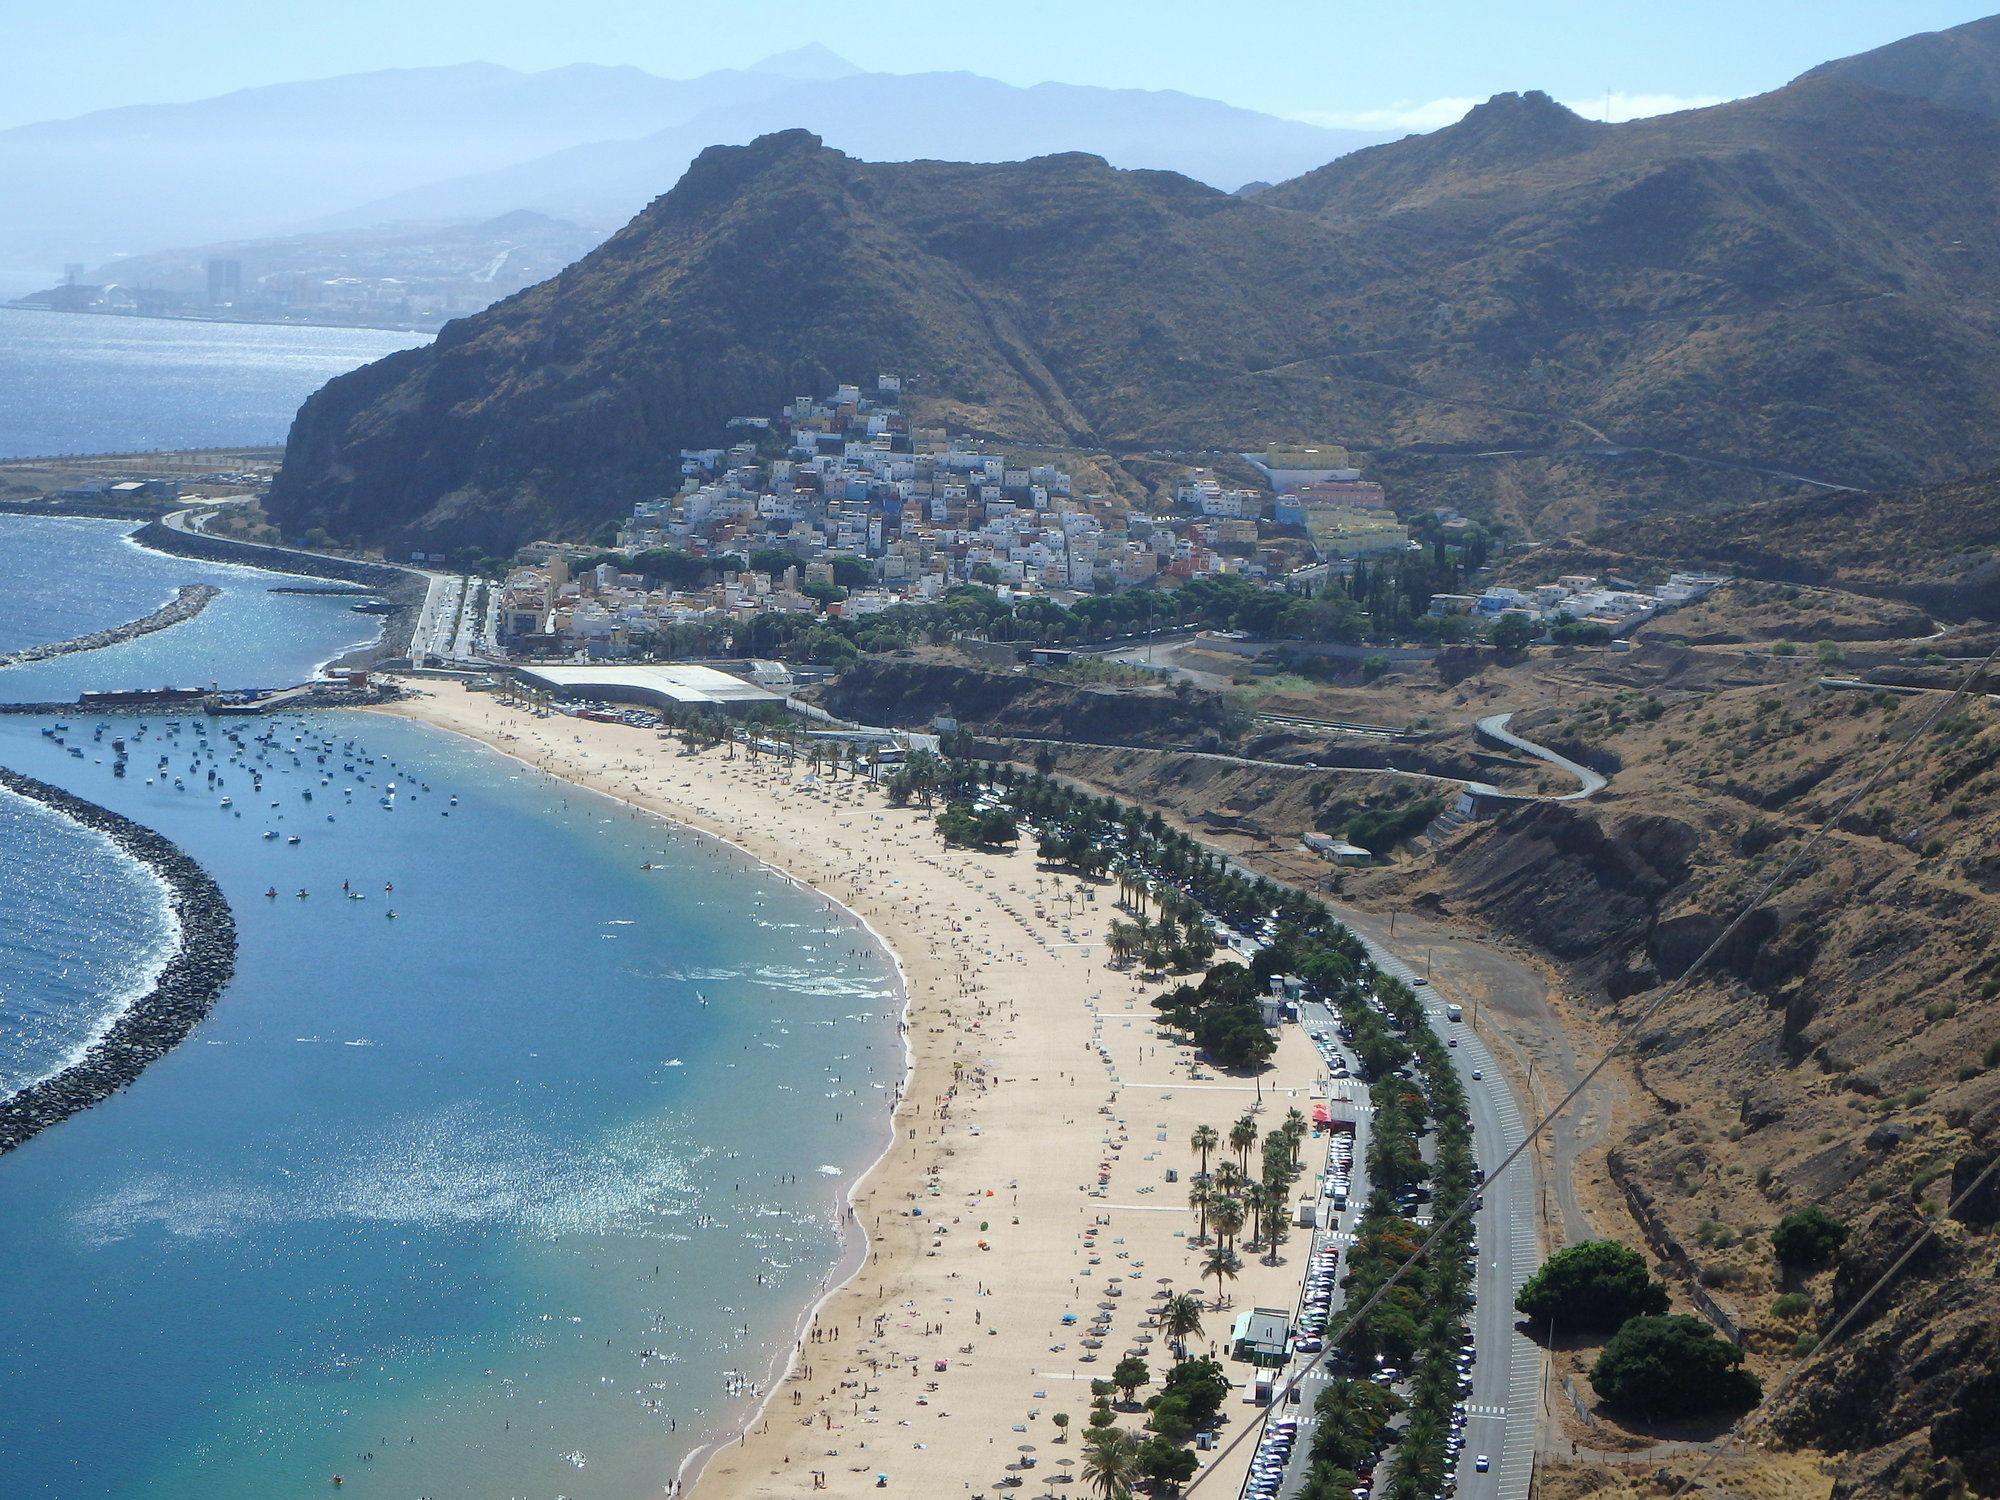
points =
(1631, 1031)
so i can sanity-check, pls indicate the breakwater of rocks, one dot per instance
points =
(186, 988)
(189, 600)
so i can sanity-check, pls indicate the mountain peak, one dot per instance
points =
(812, 62)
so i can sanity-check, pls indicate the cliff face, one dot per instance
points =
(1796, 282)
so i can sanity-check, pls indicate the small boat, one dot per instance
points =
(228, 802)
(272, 892)
(270, 833)
(293, 839)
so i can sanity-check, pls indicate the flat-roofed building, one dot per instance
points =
(661, 685)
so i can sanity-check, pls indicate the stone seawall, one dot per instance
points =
(187, 987)
(188, 601)
(400, 586)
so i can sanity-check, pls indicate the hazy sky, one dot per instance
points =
(1388, 63)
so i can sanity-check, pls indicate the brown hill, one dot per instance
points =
(1937, 546)
(1792, 283)
(1959, 66)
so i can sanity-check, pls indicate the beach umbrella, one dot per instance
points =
(1025, 1448)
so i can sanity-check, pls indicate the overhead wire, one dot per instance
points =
(1626, 1036)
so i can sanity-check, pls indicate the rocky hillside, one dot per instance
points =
(1959, 66)
(1841, 1051)
(1637, 314)
(1936, 546)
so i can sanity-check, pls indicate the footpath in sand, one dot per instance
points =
(1027, 1179)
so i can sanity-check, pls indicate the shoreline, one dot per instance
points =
(854, 1253)
(137, 317)
(189, 600)
(1038, 1085)
(184, 989)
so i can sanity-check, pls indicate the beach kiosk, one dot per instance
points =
(1263, 1336)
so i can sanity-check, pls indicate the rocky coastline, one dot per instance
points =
(189, 600)
(187, 987)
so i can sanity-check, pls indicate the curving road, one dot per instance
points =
(1494, 727)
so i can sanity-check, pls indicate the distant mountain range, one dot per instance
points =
(1566, 323)
(897, 117)
(586, 142)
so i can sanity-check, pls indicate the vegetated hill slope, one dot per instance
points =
(1959, 66)
(1795, 282)
(1839, 1052)
(1936, 545)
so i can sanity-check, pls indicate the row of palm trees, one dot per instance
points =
(1228, 1197)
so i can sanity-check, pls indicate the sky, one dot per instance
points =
(1388, 64)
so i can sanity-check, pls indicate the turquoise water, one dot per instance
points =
(75, 383)
(66, 578)
(500, 1191)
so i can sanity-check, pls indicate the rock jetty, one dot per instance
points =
(188, 601)
(187, 986)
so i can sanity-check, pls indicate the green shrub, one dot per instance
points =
(1809, 1237)
(1596, 1284)
(1671, 1367)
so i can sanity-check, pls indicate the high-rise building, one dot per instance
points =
(225, 281)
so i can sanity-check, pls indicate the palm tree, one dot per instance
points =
(1221, 1262)
(1200, 1196)
(1228, 1179)
(1263, 1203)
(1110, 1459)
(1180, 1320)
(1202, 1142)
(1226, 1214)
(1242, 1136)
(1295, 1133)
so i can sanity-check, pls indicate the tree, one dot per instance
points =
(1349, 1420)
(1673, 1366)
(1129, 1374)
(1594, 1284)
(1180, 1319)
(1807, 1238)
(1513, 633)
(1203, 1142)
(1061, 1420)
(962, 823)
(1110, 1461)
(1165, 1464)
(1226, 1214)
(1221, 1262)
(1200, 1196)
(1242, 1136)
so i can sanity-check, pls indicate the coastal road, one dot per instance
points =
(1503, 1411)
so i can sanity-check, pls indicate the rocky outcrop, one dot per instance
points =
(188, 984)
(189, 600)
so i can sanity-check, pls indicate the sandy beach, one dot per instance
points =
(1027, 1176)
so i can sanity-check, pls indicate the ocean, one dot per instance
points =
(80, 383)
(507, 1194)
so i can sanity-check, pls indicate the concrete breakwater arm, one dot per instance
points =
(188, 601)
(187, 987)
(406, 588)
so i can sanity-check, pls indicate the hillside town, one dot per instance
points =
(841, 506)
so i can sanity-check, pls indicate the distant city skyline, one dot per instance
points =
(1333, 62)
